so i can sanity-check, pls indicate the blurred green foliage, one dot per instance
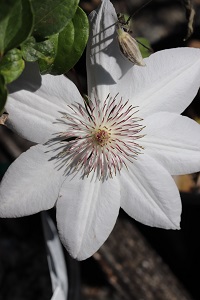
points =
(52, 32)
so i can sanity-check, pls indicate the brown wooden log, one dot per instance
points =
(134, 269)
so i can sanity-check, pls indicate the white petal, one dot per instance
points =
(58, 294)
(31, 184)
(55, 259)
(169, 81)
(102, 52)
(33, 109)
(86, 214)
(150, 195)
(174, 141)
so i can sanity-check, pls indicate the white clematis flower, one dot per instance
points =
(118, 150)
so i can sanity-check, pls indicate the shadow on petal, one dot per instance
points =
(29, 80)
(105, 77)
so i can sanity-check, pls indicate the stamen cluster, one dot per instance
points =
(100, 137)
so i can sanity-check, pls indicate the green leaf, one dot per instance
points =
(11, 65)
(59, 53)
(71, 43)
(51, 16)
(144, 51)
(68, 44)
(29, 53)
(45, 51)
(16, 23)
(3, 94)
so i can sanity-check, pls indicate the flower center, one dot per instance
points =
(100, 137)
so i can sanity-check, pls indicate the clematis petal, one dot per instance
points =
(86, 214)
(169, 82)
(33, 109)
(31, 184)
(173, 141)
(102, 50)
(149, 194)
(156, 87)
